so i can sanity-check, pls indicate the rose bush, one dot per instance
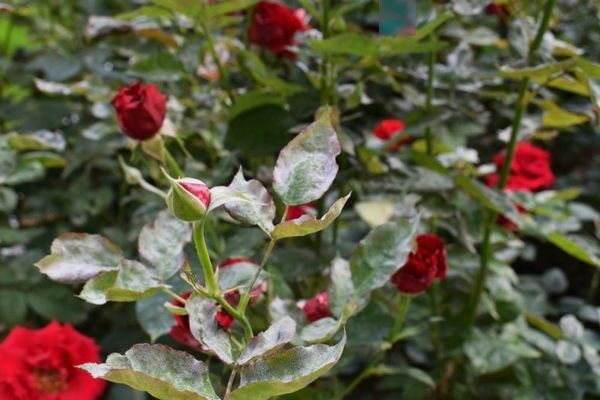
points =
(222, 194)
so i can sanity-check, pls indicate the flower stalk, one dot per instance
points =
(490, 216)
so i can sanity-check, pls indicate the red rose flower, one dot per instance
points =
(181, 332)
(500, 10)
(140, 110)
(530, 169)
(424, 265)
(317, 307)
(388, 128)
(295, 212)
(196, 188)
(42, 365)
(274, 26)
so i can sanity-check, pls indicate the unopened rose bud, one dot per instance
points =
(140, 110)
(188, 199)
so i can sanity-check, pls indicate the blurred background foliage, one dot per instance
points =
(537, 337)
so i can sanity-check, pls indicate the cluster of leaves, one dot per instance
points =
(66, 167)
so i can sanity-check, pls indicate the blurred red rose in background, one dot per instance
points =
(140, 110)
(42, 364)
(274, 26)
(317, 307)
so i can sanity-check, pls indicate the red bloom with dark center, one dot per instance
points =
(295, 212)
(507, 223)
(317, 307)
(274, 26)
(388, 128)
(140, 110)
(41, 365)
(530, 169)
(427, 263)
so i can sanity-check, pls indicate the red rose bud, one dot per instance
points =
(317, 307)
(140, 110)
(424, 265)
(295, 212)
(181, 331)
(41, 364)
(389, 128)
(530, 169)
(274, 26)
(258, 291)
(188, 199)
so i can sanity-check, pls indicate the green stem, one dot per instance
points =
(223, 72)
(171, 163)
(326, 85)
(174, 295)
(403, 304)
(429, 99)
(246, 296)
(490, 220)
(212, 286)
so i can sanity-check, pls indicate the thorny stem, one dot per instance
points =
(174, 295)
(490, 218)
(246, 296)
(404, 303)
(230, 382)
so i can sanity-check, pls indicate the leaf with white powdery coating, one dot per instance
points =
(77, 257)
(306, 224)
(381, 254)
(206, 330)
(133, 281)
(165, 373)
(278, 334)
(286, 371)
(306, 166)
(260, 211)
(161, 244)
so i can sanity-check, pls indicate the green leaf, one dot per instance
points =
(77, 257)
(152, 316)
(239, 275)
(342, 300)
(133, 281)
(161, 244)
(306, 167)
(13, 307)
(490, 352)
(591, 69)
(263, 75)
(321, 330)
(375, 212)
(557, 117)
(57, 302)
(306, 224)
(490, 198)
(45, 158)
(165, 373)
(540, 73)
(190, 8)
(229, 6)
(205, 328)
(381, 254)
(577, 246)
(431, 26)
(251, 100)
(260, 131)
(8, 199)
(40, 140)
(269, 341)
(259, 210)
(347, 43)
(286, 371)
